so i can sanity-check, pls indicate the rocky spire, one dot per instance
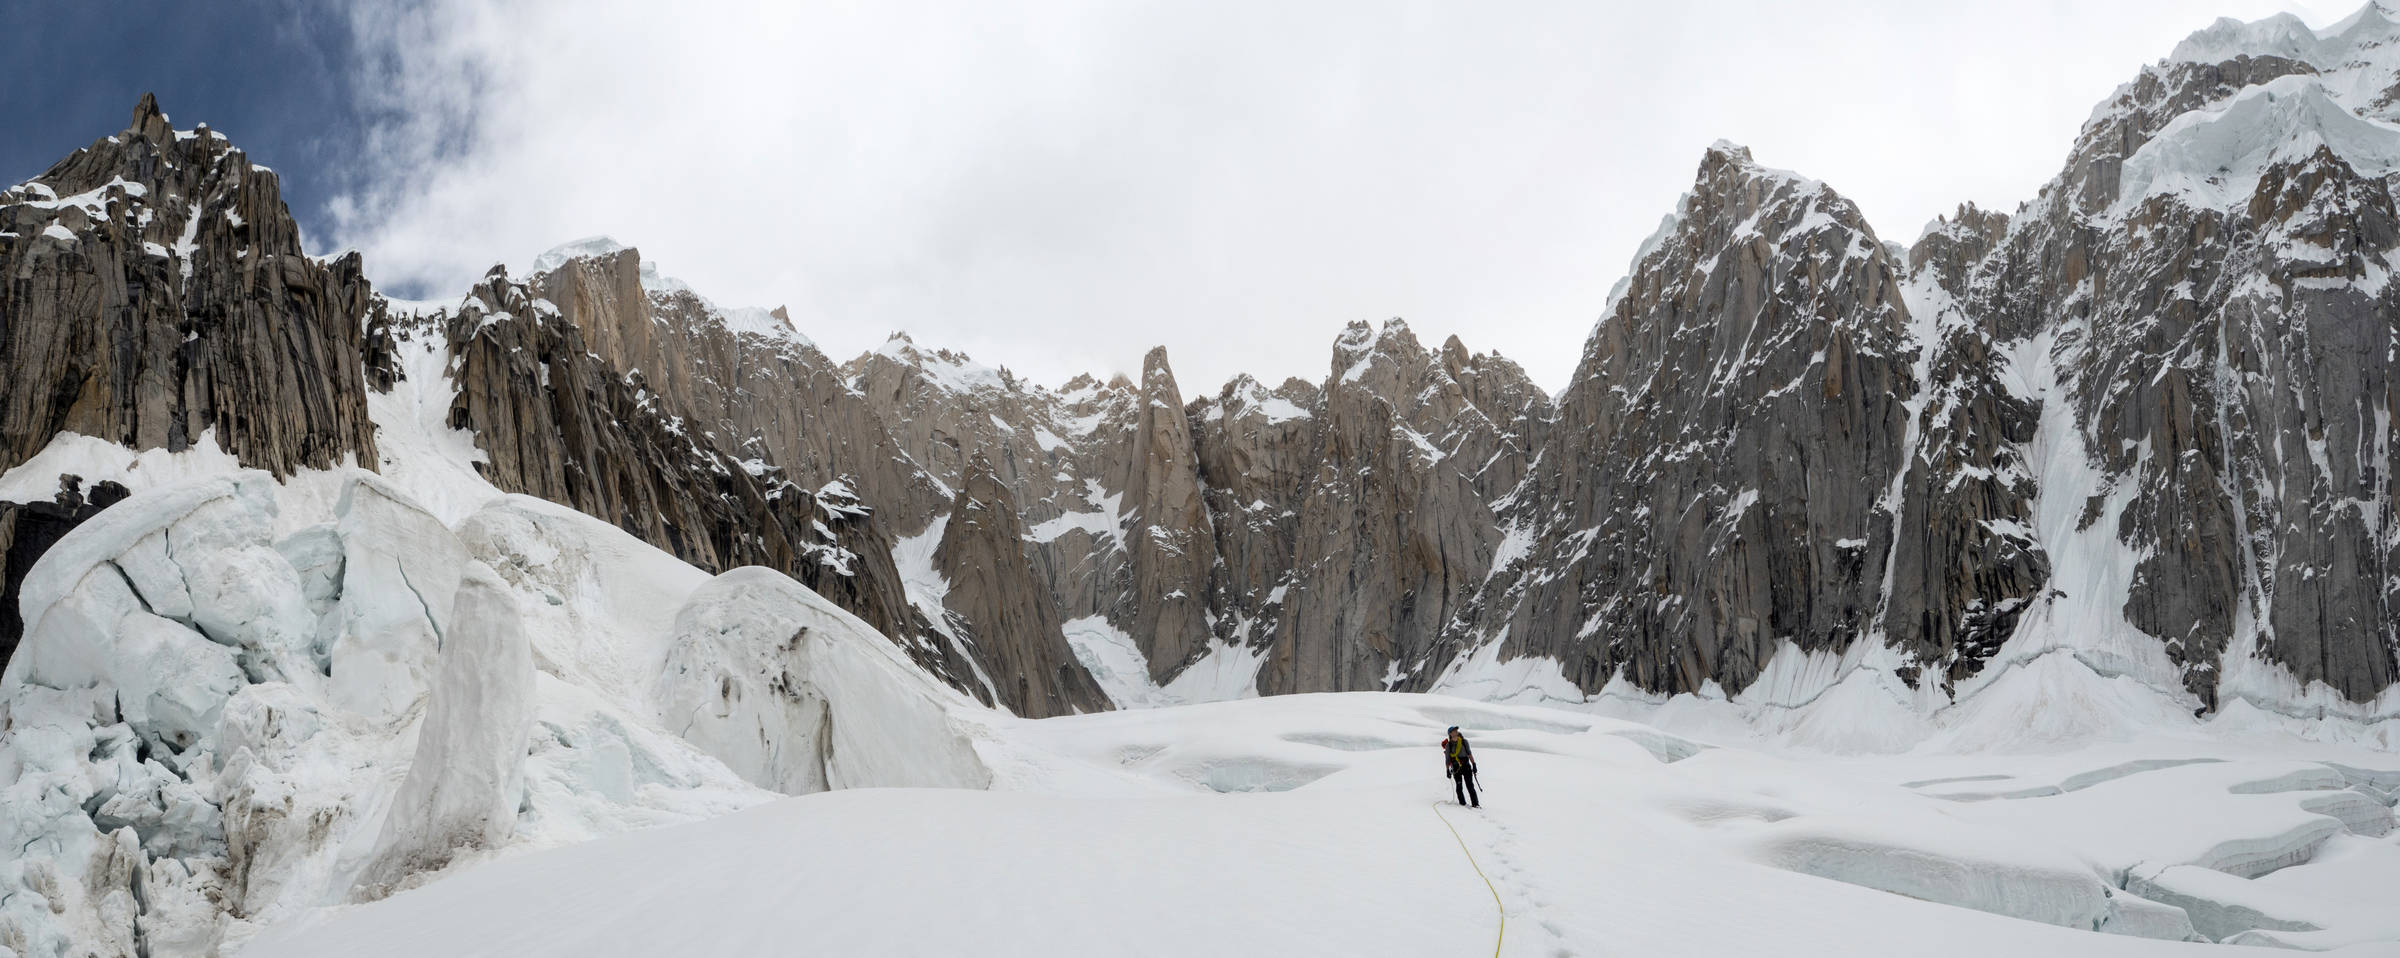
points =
(1171, 542)
(993, 586)
(219, 323)
(159, 299)
(1725, 447)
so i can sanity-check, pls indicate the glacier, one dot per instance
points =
(375, 704)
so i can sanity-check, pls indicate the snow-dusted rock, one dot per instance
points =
(1014, 616)
(165, 227)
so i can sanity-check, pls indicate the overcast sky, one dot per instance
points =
(1056, 187)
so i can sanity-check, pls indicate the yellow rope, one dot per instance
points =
(1487, 881)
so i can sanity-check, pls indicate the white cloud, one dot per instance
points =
(1058, 186)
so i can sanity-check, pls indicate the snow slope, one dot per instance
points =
(239, 699)
(249, 709)
(1319, 824)
(233, 726)
(2213, 156)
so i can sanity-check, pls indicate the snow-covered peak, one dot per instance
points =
(1736, 159)
(2214, 156)
(2371, 23)
(2286, 35)
(773, 324)
(585, 248)
(1361, 345)
(952, 371)
(1244, 396)
(593, 247)
(2208, 140)
(2283, 35)
(755, 321)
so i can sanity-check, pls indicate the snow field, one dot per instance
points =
(1306, 825)
(283, 685)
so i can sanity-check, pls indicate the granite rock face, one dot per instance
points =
(2225, 351)
(2307, 437)
(1393, 530)
(744, 378)
(155, 295)
(2145, 418)
(1234, 520)
(556, 420)
(995, 594)
(1785, 434)
(1105, 474)
(157, 292)
(1170, 547)
(1257, 455)
(1966, 564)
(1727, 450)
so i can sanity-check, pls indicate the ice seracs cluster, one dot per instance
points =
(235, 703)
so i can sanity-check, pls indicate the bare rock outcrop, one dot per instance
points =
(157, 296)
(1392, 534)
(1726, 447)
(744, 378)
(1170, 547)
(157, 292)
(1257, 455)
(555, 421)
(1013, 616)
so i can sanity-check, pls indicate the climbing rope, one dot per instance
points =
(1487, 880)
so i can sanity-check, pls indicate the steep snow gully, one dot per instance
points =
(2085, 662)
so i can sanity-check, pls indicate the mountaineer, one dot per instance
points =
(1459, 761)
